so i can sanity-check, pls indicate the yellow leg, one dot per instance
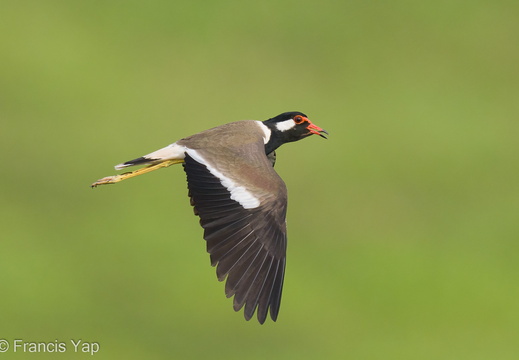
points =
(116, 178)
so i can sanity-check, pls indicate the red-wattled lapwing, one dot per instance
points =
(240, 199)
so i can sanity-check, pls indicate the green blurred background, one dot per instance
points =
(403, 226)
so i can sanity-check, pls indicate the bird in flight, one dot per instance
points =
(240, 199)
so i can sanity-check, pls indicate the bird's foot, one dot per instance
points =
(107, 180)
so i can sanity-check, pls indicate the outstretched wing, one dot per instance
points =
(243, 217)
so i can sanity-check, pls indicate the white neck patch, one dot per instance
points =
(266, 131)
(238, 193)
(285, 125)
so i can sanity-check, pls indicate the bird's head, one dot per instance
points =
(291, 126)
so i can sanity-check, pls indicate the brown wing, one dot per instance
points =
(248, 245)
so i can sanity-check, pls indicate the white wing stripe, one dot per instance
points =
(238, 193)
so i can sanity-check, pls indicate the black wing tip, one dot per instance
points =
(262, 318)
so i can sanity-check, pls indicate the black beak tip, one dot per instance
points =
(323, 131)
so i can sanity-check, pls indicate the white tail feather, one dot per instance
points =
(170, 152)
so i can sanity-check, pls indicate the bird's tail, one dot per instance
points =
(171, 154)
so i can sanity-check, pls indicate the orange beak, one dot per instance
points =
(314, 129)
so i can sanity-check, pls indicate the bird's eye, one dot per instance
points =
(299, 119)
